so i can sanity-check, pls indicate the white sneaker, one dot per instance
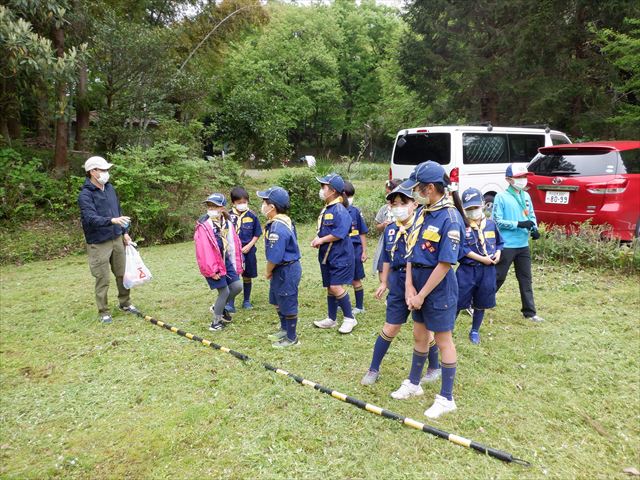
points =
(347, 325)
(357, 310)
(407, 390)
(535, 318)
(326, 323)
(440, 406)
(432, 375)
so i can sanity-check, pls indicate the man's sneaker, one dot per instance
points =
(370, 377)
(357, 310)
(247, 305)
(226, 318)
(279, 335)
(285, 342)
(440, 406)
(407, 390)
(216, 326)
(474, 337)
(347, 325)
(432, 375)
(106, 319)
(469, 311)
(326, 323)
(230, 307)
(130, 309)
(535, 318)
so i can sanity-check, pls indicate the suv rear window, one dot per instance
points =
(576, 164)
(420, 147)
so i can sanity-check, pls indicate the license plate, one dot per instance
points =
(559, 198)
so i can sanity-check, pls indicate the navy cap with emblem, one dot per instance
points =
(334, 180)
(276, 195)
(217, 199)
(426, 172)
(471, 197)
(407, 192)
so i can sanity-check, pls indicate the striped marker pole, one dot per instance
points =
(465, 442)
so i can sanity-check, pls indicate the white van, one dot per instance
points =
(473, 156)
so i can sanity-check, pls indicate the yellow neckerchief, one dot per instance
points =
(479, 228)
(224, 230)
(338, 199)
(401, 233)
(282, 218)
(239, 216)
(444, 202)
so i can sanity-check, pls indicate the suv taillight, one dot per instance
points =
(617, 185)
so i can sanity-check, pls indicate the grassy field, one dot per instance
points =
(130, 400)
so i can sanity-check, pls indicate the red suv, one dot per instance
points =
(592, 180)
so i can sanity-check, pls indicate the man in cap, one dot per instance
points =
(105, 231)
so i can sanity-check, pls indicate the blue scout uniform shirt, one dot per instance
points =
(395, 245)
(436, 237)
(247, 225)
(473, 243)
(280, 240)
(335, 220)
(358, 225)
(510, 207)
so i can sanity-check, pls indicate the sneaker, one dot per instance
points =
(130, 309)
(347, 325)
(357, 310)
(226, 318)
(247, 305)
(106, 319)
(285, 342)
(535, 318)
(370, 377)
(326, 323)
(440, 406)
(432, 375)
(229, 307)
(407, 390)
(474, 337)
(279, 335)
(216, 326)
(469, 311)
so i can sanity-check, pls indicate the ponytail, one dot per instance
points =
(440, 188)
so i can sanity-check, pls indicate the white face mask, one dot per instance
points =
(213, 214)
(265, 208)
(420, 199)
(103, 178)
(400, 213)
(520, 183)
(242, 207)
(474, 213)
(321, 194)
(350, 200)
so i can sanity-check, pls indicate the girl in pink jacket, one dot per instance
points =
(219, 256)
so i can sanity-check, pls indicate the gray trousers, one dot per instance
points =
(103, 257)
(521, 257)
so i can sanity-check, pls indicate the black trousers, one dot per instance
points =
(521, 257)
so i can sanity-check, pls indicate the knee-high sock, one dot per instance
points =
(478, 316)
(291, 321)
(246, 286)
(433, 356)
(359, 294)
(417, 365)
(332, 307)
(283, 324)
(380, 349)
(448, 376)
(344, 302)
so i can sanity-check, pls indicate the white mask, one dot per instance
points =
(400, 213)
(103, 178)
(474, 213)
(265, 208)
(350, 200)
(213, 213)
(420, 199)
(242, 207)
(321, 194)
(520, 183)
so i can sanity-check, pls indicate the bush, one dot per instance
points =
(303, 191)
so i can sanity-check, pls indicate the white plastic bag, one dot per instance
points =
(135, 272)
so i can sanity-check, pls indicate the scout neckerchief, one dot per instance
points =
(519, 196)
(239, 216)
(223, 230)
(479, 228)
(444, 202)
(336, 200)
(401, 234)
(281, 218)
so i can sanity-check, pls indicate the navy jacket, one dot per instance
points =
(97, 208)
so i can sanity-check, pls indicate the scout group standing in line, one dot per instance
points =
(426, 229)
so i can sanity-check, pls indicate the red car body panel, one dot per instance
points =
(593, 180)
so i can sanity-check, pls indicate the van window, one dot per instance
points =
(420, 147)
(484, 148)
(524, 147)
(630, 161)
(559, 140)
(576, 164)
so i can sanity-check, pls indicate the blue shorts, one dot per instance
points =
(250, 264)
(439, 310)
(397, 310)
(283, 288)
(337, 274)
(358, 267)
(476, 286)
(228, 279)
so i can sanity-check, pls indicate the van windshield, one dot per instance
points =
(420, 147)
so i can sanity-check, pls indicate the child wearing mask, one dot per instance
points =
(358, 235)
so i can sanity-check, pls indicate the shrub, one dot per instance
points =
(303, 191)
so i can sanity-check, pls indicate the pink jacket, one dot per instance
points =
(208, 254)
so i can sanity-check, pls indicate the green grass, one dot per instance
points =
(131, 400)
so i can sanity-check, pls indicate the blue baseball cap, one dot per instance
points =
(217, 199)
(276, 195)
(471, 197)
(407, 192)
(426, 172)
(516, 170)
(334, 180)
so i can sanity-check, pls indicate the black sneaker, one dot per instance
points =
(216, 326)
(130, 309)
(226, 316)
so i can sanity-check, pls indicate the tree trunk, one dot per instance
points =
(43, 135)
(82, 108)
(60, 160)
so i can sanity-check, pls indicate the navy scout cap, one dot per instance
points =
(276, 195)
(471, 197)
(407, 192)
(426, 172)
(334, 180)
(217, 199)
